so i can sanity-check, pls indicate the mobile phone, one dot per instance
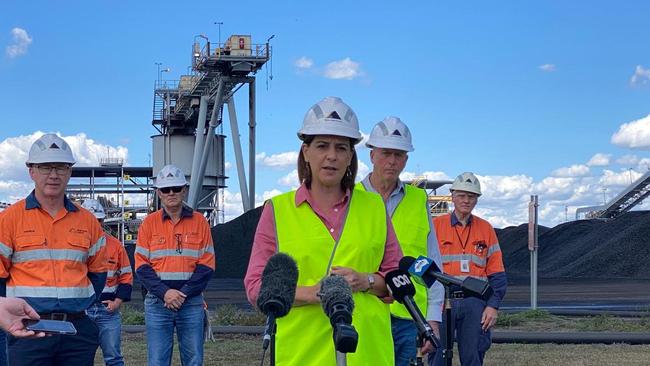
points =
(50, 326)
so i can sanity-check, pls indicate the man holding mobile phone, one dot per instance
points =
(52, 254)
(12, 314)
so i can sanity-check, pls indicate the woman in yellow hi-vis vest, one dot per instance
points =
(329, 229)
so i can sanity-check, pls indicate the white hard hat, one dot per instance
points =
(50, 148)
(95, 207)
(170, 176)
(330, 116)
(466, 182)
(391, 133)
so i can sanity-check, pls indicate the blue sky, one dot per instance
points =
(514, 91)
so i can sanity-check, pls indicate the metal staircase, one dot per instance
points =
(631, 196)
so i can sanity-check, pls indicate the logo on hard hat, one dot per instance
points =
(334, 115)
(54, 146)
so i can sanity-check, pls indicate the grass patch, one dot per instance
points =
(609, 323)
(231, 315)
(517, 319)
(131, 315)
(247, 350)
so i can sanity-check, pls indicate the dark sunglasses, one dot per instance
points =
(166, 190)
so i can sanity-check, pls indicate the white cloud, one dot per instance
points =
(577, 170)
(548, 67)
(290, 180)
(628, 160)
(640, 76)
(20, 43)
(618, 179)
(634, 135)
(304, 63)
(281, 160)
(362, 170)
(343, 69)
(599, 159)
(228, 165)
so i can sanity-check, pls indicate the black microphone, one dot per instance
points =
(336, 298)
(402, 290)
(277, 291)
(426, 272)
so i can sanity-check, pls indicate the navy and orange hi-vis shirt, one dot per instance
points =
(119, 279)
(174, 256)
(472, 250)
(57, 264)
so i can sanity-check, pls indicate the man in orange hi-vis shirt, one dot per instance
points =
(469, 247)
(52, 254)
(119, 282)
(174, 260)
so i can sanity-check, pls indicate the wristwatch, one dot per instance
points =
(371, 282)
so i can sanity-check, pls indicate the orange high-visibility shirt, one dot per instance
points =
(476, 245)
(49, 261)
(119, 278)
(174, 252)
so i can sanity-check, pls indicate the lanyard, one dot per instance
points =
(469, 232)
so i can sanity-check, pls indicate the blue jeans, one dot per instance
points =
(160, 324)
(404, 339)
(110, 329)
(471, 340)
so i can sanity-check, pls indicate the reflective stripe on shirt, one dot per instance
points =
(52, 292)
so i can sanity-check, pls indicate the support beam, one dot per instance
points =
(198, 147)
(234, 128)
(214, 122)
(251, 141)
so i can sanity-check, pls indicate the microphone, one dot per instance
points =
(402, 290)
(336, 299)
(426, 272)
(277, 292)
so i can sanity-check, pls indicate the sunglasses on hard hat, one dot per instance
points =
(166, 190)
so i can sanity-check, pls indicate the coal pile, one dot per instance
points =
(583, 249)
(232, 244)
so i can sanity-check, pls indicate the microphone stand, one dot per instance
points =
(418, 361)
(448, 351)
(272, 354)
(341, 359)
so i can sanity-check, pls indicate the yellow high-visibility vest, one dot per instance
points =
(410, 221)
(304, 336)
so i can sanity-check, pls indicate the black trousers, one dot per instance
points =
(55, 350)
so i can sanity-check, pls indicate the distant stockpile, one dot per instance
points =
(618, 248)
(232, 244)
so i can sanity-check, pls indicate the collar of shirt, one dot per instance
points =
(304, 195)
(31, 202)
(186, 211)
(395, 196)
(455, 221)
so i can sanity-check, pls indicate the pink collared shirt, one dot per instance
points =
(265, 241)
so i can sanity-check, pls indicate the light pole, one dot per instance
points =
(158, 70)
(219, 24)
(629, 170)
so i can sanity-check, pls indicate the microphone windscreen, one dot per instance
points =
(334, 290)
(278, 288)
(400, 285)
(405, 263)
